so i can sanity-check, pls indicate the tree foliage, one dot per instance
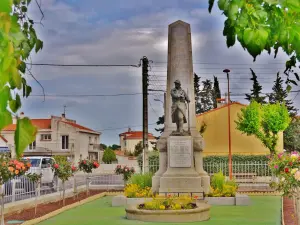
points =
(216, 91)
(264, 122)
(109, 156)
(256, 94)
(138, 149)
(17, 39)
(197, 93)
(280, 95)
(115, 147)
(291, 136)
(206, 96)
(262, 25)
(161, 121)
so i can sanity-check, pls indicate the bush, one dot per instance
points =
(109, 156)
(135, 191)
(221, 188)
(143, 180)
(126, 171)
(60, 159)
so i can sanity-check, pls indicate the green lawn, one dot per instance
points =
(264, 210)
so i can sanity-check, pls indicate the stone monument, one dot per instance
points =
(181, 145)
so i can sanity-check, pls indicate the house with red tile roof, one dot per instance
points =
(216, 136)
(129, 139)
(58, 136)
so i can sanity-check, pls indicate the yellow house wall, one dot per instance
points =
(216, 134)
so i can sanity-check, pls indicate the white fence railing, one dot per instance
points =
(246, 174)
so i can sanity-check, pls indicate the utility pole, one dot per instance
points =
(145, 65)
(227, 71)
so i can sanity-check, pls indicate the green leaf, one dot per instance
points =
(25, 134)
(249, 35)
(293, 82)
(28, 90)
(221, 4)
(5, 6)
(233, 11)
(6, 118)
(24, 8)
(25, 26)
(38, 45)
(271, 2)
(31, 21)
(288, 88)
(7, 61)
(22, 67)
(211, 4)
(15, 79)
(297, 76)
(28, 2)
(15, 104)
(4, 114)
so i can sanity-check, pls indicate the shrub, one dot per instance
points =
(221, 188)
(143, 180)
(286, 168)
(109, 156)
(135, 191)
(126, 171)
(87, 166)
(60, 159)
(218, 181)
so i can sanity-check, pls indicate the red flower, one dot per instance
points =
(74, 168)
(56, 166)
(286, 170)
(84, 162)
(290, 163)
(196, 197)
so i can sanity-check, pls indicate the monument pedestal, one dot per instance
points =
(181, 175)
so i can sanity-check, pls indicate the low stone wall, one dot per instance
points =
(240, 199)
(201, 213)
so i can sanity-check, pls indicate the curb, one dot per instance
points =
(282, 214)
(63, 209)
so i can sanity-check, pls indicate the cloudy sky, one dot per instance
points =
(121, 32)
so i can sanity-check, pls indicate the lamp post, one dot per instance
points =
(227, 71)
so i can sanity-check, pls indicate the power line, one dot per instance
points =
(227, 63)
(83, 65)
(120, 128)
(84, 95)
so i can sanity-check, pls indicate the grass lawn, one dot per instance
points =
(264, 210)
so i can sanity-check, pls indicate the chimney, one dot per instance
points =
(21, 115)
(129, 129)
(63, 117)
(221, 102)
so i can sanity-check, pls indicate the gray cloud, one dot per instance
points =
(100, 33)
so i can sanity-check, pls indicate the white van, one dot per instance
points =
(42, 165)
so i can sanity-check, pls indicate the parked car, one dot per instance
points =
(39, 165)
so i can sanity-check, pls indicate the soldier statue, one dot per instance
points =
(178, 110)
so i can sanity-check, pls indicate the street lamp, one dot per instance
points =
(227, 71)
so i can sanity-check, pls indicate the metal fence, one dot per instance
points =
(255, 175)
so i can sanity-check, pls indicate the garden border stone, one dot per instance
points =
(201, 213)
(240, 199)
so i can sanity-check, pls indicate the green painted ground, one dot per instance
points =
(265, 210)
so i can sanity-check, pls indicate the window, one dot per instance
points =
(32, 146)
(65, 142)
(45, 137)
(46, 162)
(35, 162)
(95, 140)
(90, 140)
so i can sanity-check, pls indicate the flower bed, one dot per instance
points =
(170, 203)
(135, 191)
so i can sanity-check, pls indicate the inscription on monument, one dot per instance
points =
(180, 153)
